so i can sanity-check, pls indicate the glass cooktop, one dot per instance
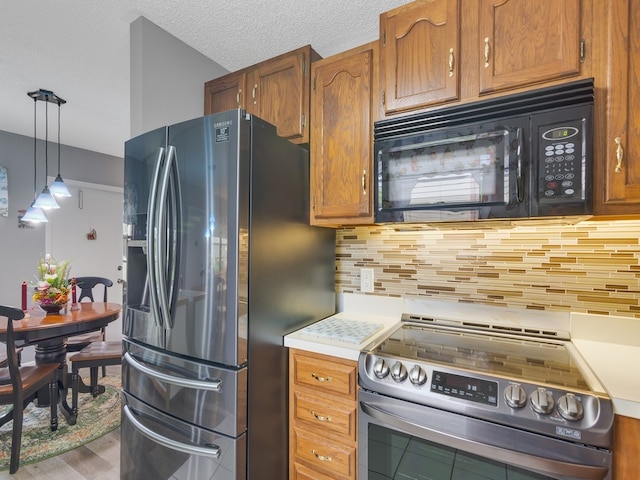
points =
(525, 359)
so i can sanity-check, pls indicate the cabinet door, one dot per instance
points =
(279, 93)
(620, 167)
(341, 140)
(420, 54)
(524, 42)
(224, 93)
(626, 447)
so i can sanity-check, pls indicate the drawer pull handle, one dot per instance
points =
(320, 418)
(451, 60)
(324, 458)
(321, 379)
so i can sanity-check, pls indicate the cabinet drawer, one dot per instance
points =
(300, 472)
(324, 454)
(325, 417)
(325, 374)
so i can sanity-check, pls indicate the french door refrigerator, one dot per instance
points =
(220, 264)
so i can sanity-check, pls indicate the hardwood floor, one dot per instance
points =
(97, 460)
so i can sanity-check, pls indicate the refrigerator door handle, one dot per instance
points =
(152, 239)
(212, 451)
(214, 384)
(161, 240)
(174, 231)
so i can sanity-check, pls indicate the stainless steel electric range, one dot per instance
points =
(472, 400)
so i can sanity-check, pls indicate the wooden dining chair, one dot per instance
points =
(85, 286)
(19, 386)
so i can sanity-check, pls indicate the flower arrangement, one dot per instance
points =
(53, 286)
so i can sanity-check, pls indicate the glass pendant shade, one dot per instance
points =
(58, 188)
(34, 215)
(45, 200)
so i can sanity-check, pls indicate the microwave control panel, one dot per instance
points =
(561, 166)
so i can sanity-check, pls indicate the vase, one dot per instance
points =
(51, 308)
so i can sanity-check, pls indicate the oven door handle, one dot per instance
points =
(544, 466)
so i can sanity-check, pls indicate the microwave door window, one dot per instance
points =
(422, 179)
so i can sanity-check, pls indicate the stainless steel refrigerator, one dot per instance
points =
(220, 264)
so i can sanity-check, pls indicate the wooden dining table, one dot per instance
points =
(49, 333)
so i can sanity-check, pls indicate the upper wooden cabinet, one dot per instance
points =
(525, 42)
(342, 137)
(225, 93)
(438, 51)
(617, 107)
(276, 90)
(420, 54)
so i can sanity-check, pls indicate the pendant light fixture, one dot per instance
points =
(45, 200)
(58, 187)
(34, 214)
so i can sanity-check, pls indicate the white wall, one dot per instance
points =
(167, 78)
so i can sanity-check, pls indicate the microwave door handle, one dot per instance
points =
(519, 174)
(546, 466)
(152, 238)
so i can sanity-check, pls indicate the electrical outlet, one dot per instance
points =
(366, 279)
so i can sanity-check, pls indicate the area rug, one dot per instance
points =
(97, 416)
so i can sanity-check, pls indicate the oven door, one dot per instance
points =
(403, 440)
(460, 173)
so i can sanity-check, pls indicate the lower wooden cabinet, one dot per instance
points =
(323, 438)
(626, 448)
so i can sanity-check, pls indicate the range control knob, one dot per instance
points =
(542, 401)
(417, 376)
(570, 407)
(380, 368)
(515, 396)
(398, 372)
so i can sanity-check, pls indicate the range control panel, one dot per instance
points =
(572, 415)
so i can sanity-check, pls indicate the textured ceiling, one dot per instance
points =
(79, 47)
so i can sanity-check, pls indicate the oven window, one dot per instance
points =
(399, 456)
(465, 170)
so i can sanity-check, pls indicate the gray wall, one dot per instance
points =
(167, 86)
(20, 248)
(167, 78)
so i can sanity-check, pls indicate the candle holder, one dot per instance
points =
(74, 303)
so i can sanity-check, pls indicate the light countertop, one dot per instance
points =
(610, 346)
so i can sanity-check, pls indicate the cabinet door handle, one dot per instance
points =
(364, 182)
(253, 93)
(487, 52)
(321, 379)
(619, 154)
(321, 418)
(451, 58)
(324, 458)
(238, 97)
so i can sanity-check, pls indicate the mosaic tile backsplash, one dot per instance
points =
(589, 267)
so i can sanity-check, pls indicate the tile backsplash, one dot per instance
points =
(589, 267)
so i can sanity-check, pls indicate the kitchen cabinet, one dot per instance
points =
(420, 54)
(276, 90)
(617, 151)
(322, 417)
(626, 448)
(225, 93)
(441, 51)
(342, 137)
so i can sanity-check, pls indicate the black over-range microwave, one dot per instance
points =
(518, 156)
